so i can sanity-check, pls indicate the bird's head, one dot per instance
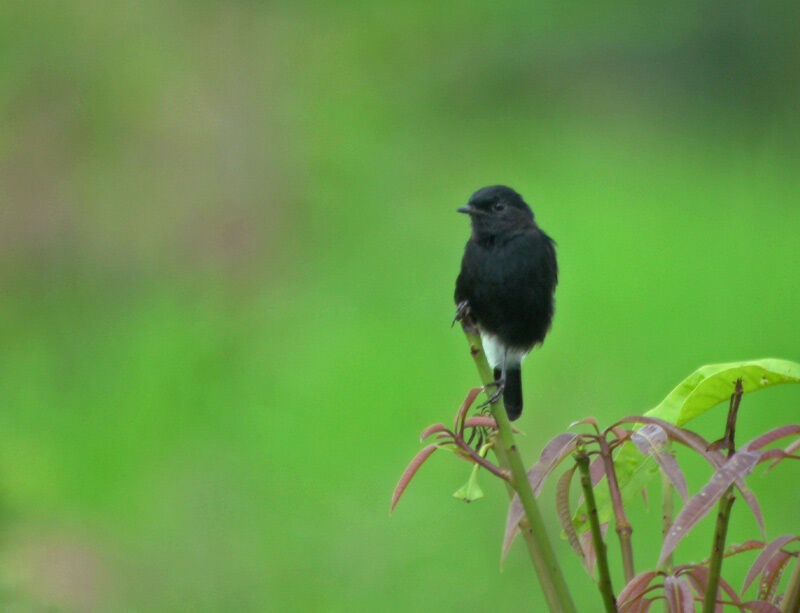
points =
(497, 210)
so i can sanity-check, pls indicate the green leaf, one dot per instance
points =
(470, 490)
(703, 389)
(710, 385)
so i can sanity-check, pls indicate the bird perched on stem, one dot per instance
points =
(506, 285)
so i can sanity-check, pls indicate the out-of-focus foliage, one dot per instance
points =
(227, 250)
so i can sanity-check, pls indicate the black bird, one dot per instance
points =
(506, 284)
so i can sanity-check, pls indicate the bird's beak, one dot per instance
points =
(465, 209)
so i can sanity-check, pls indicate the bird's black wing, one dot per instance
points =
(531, 275)
(466, 280)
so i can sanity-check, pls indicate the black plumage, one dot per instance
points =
(506, 284)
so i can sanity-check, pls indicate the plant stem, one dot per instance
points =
(791, 598)
(541, 551)
(478, 459)
(604, 576)
(666, 519)
(715, 564)
(666, 512)
(502, 459)
(524, 524)
(621, 524)
(724, 512)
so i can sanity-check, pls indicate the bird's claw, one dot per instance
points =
(462, 312)
(464, 315)
(500, 383)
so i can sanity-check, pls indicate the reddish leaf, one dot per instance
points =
(788, 450)
(562, 510)
(716, 459)
(686, 437)
(480, 421)
(515, 514)
(586, 420)
(771, 436)
(750, 499)
(771, 454)
(589, 557)
(622, 434)
(458, 422)
(749, 545)
(698, 505)
(587, 544)
(698, 575)
(557, 448)
(700, 445)
(678, 594)
(770, 549)
(776, 455)
(433, 428)
(761, 606)
(643, 605)
(410, 471)
(791, 448)
(597, 470)
(483, 421)
(728, 589)
(698, 581)
(651, 439)
(635, 587)
(771, 576)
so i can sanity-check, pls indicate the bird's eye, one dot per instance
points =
(498, 206)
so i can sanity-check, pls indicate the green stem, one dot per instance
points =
(541, 551)
(715, 563)
(527, 534)
(604, 576)
(791, 598)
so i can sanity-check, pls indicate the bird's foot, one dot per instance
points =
(462, 312)
(500, 384)
(464, 315)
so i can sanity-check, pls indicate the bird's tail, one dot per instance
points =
(512, 392)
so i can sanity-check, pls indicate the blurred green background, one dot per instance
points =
(228, 243)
